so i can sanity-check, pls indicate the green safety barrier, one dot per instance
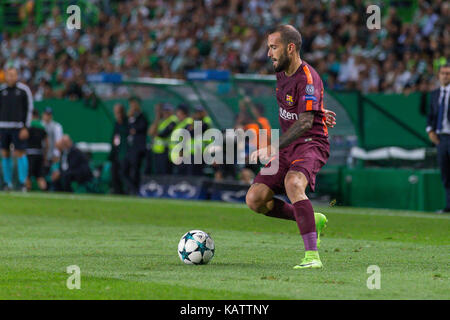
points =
(385, 120)
(406, 189)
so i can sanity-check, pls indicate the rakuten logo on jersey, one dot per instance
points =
(286, 115)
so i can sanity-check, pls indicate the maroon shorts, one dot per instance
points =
(306, 157)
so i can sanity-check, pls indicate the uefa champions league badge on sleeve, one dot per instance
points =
(309, 89)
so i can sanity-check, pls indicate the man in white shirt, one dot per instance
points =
(438, 128)
(54, 133)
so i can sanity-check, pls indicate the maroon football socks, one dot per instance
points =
(304, 215)
(282, 210)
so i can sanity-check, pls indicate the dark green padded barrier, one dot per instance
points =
(81, 122)
(406, 189)
(385, 120)
(381, 130)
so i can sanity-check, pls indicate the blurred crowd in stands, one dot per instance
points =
(156, 38)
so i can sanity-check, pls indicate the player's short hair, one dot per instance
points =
(288, 35)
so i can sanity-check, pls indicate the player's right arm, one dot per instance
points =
(297, 129)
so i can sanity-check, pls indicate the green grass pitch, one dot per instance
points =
(126, 248)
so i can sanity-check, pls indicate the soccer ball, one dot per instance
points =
(196, 247)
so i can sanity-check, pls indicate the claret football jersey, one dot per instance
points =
(301, 92)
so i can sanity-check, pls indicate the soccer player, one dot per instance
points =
(16, 106)
(303, 146)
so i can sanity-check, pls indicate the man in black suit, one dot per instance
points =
(73, 166)
(438, 128)
(119, 147)
(137, 143)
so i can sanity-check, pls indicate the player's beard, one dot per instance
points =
(283, 62)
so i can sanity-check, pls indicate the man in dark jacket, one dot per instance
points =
(73, 166)
(438, 128)
(119, 148)
(137, 139)
(37, 146)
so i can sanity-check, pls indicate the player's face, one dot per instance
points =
(444, 76)
(277, 52)
(11, 77)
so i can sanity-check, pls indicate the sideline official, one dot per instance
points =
(137, 140)
(16, 106)
(438, 128)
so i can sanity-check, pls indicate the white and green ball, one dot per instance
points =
(196, 247)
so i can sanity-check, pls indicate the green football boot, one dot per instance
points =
(311, 260)
(321, 222)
